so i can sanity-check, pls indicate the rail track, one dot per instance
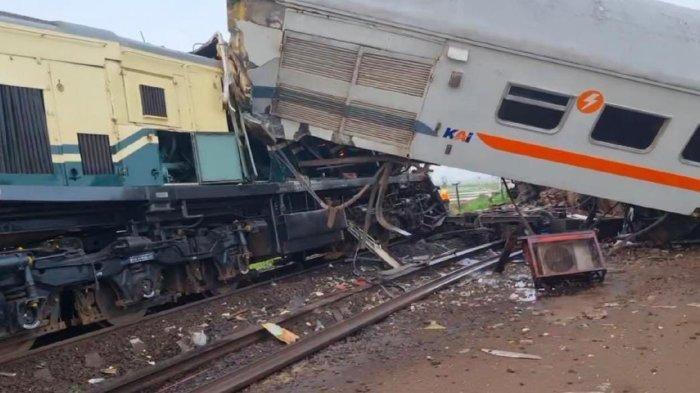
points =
(274, 275)
(187, 362)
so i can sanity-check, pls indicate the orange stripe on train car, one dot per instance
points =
(591, 162)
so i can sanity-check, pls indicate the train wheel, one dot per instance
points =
(216, 287)
(106, 301)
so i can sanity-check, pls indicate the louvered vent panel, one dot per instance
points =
(388, 73)
(306, 106)
(24, 135)
(380, 123)
(95, 154)
(319, 59)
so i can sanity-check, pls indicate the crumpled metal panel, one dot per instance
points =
(307, 106)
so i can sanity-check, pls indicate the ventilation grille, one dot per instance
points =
(388, 73)
(380, 123)
(153, 101)
(24, 136)
(95, 154)
(306, 106)
(319, 59)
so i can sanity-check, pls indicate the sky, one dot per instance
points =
(175, 24)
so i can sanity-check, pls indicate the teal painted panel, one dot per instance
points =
(142, 167)
(57, 178)
(219, 157)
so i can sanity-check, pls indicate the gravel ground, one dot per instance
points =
(71, 368)
(638, 332)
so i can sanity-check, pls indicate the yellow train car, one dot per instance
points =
(81, 106)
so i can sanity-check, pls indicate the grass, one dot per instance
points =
(264, 265)
(482, 202)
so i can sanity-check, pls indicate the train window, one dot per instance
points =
(627, 128)
(24, 136)
(95, 154)
(153, 101)
(533, 108)
(692, 149)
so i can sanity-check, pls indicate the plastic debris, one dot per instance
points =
(5, 374)
(693, 304)
(508, 354)
(111, 370)
(433, 325)
(523, 295)
(94, 381)
(199, 339)
(137, 344)
(280, 333)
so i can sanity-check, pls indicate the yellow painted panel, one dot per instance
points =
(208, 108)
(23, 71)
(20, 40)
(185, 99)
(132, 81)
(81, 101)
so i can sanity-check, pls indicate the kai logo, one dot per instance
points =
(460, 135)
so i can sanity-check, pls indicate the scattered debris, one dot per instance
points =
(94, 381)
(199, 338)
(465, 350)
(184, 345)
(6, 374)
(693, 304)
(111, 370)
(281, 333)
(595, 314)
(524, 295)
(137, 345)
(508, 354)
(433, 325)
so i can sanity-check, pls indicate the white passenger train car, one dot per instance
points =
(598, 97)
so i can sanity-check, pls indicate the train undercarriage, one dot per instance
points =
(69, 263)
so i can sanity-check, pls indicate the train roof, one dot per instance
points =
(648, 39)
(103, 35)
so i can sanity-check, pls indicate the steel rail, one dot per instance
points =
(244, 376)
(188, 361)
(103, 331)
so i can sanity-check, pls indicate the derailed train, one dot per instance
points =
(596, 97)
(129, 178)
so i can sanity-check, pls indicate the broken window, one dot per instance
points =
(627, 128)
(533, 108)
(153, 101)
(692, 149)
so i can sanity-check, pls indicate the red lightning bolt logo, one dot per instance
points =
(590, 101)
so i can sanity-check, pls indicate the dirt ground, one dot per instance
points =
(637, 332)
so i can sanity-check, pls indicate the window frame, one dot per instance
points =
(685, 145)
(652, 146)
(528, 101)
